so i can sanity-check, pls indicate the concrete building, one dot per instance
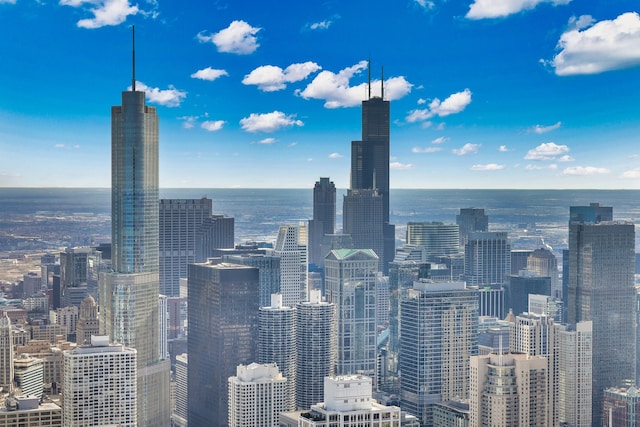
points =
(277, 337)
(350, 280)
(452, 413)
(180, 413)
(291, 247)
(28, 412)
(317, 345)
(87, 324)
(621, 407)
(574, 358)
(99, 385)
(257, 395)
(29, 375)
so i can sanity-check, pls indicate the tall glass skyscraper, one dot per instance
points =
(129, 293)
(324, 218)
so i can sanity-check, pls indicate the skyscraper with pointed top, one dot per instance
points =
(366, 204)
(129, 292)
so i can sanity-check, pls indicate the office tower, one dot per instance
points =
(621, 407)
(382, 300)
(349, 400)
(437, 238)
(6, 354)
(223, 333)
(277, 344)
(79, 271)
(471, 220)
(26, 411)
(439, 333)
(519, 259)
(257, 395)
(487, 258)
(179, 221)
(129, 292)
(268, 265)
(546, 305)
(216, 232)
(291, 247)
(574, 384)
(545, 263)
(491, 300)
(180, 414)
(163, 327)
(508, 390)
(350, 280)
(324, 218)
(48, 267)
(601, 289)
(31, 284)
(366, 204)
(518, 288)
(87, 324)
(100, 385)
(317, 345)
(493, 334)
(29, 375)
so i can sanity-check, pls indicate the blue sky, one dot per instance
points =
(484, 93)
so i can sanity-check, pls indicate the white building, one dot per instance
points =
(99, 385)
(29, 375)
(257, 395)
(348, 402)
(291, 246)
(575, 374)
(180, 416)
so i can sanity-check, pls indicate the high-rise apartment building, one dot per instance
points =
(277, 344)
(366, 204)
(223, 333)
(437, 238)
(574, 373)
(439, 333)
(471, 220)
(258, 393)
(129, 292)
(350, 281)
(6, 354)
(291, 247)
(601, 289)
(317, 345)
(179, 221)
(324, 218)
(487, 258)
(99, 385)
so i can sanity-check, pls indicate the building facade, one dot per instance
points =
(324, 218)
(437, 238)
(291, 247)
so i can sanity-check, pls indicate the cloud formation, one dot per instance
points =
(267, 141)
(425, 4)
(481, 9)
(453, 104)
(400, 166)
(488, 167)
(631, 174)
(440, 140)
(540, 129)
(212, 125)
(270, 78)
(591, 48)
(171, 97)
(466, 149)
(335, 155)
(547, 151)
(269, 122)
(335, 90)
(585, 171)
(239, 38)
(209, 74)
(322, 25)
(426, 150)
(105, 12)
(552, 166)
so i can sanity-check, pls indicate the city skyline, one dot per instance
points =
(484, 94)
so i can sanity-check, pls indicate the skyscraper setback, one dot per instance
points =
(129, 292)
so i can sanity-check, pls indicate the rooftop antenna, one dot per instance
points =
(133, 58)
(382, 84)
(369, 69)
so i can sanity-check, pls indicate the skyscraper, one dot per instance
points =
(216, 232)
(601, 289)
(324, 218)
(223, 333)
(129, 292)
(487, 258)
(179, 220)
(471, 220)
(438, 239)
(6, 354)
(575, 369)
(291, 247)
(367, 221)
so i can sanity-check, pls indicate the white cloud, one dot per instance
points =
(213, 125)
(68, 147)
(188, 122)
(422, 101)
(503, 149)
(426, 150)
(631, 174)
(552, 166)
(400, 166)
(481, 9)
(335, 155)
(171, 97)
(588, 48)
(566, 158)
(487, 167)
(334, 88)
(440, 140)
(547, 151)
(455, 103)
(267, 141)
(8, 1)
(585, 170)
(539, 129)
(466, 149)
(105, 12)
(270, 78)
(425, 4)
(239, 37)
(209, 74)
(269, 122)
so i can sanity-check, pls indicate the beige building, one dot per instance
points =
(26, 412)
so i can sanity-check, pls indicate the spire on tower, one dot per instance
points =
(133, 58)
(382, 84)
(369, 82)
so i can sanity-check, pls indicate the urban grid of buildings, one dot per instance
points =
(174, 324)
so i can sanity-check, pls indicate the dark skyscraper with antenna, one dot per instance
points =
(366, 205)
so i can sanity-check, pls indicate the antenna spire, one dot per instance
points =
(133, 58)
(382, 84)
(369, 70)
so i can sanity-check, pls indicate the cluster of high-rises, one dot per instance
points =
(323, 328)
